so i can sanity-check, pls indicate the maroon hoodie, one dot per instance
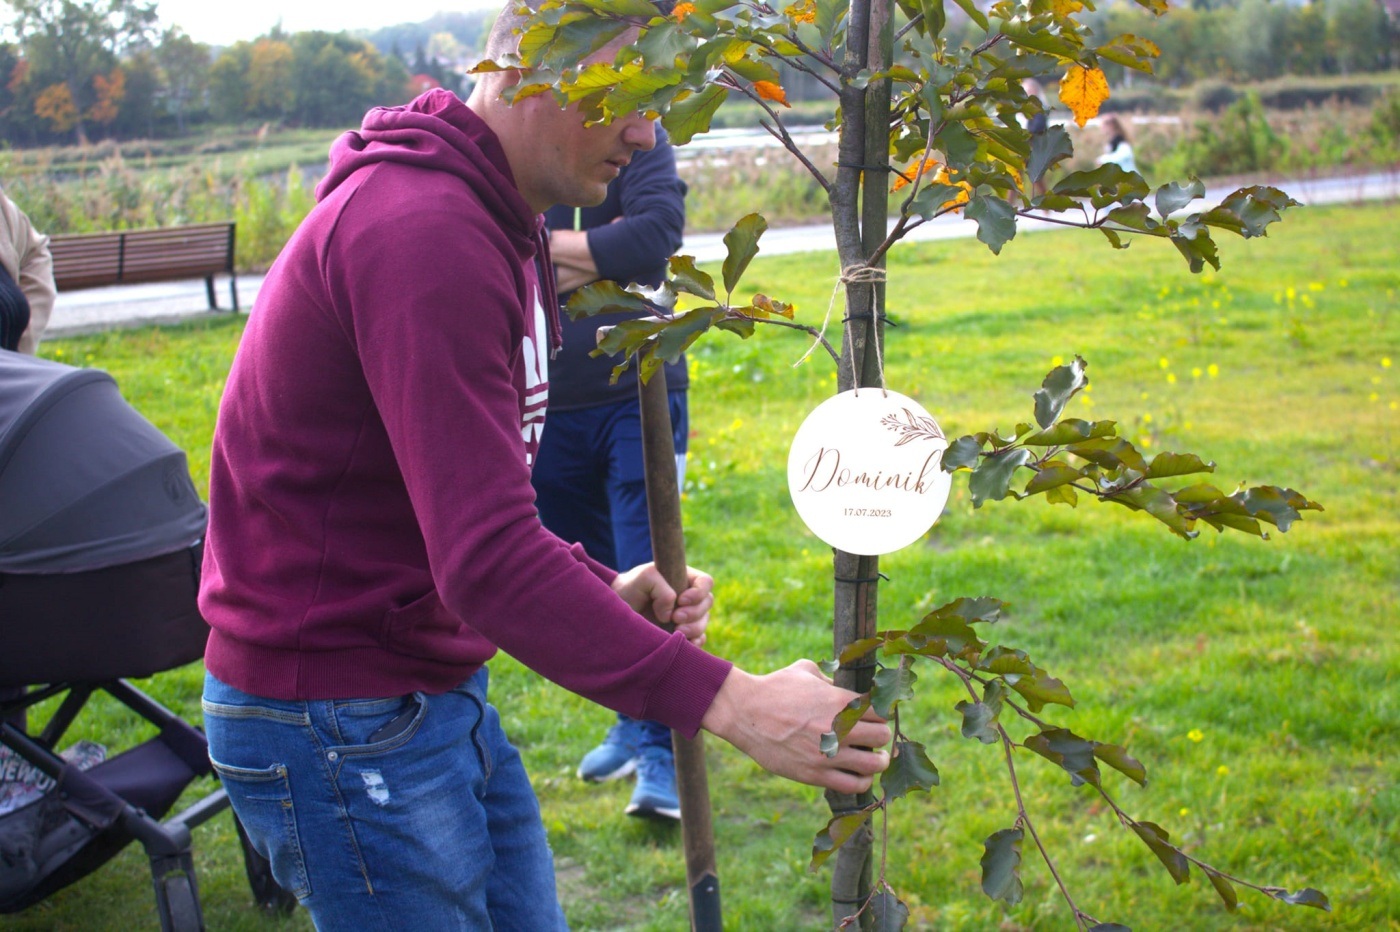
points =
(372, 528)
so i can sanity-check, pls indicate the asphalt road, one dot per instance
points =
(78, 312)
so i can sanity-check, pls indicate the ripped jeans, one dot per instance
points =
(413, 812)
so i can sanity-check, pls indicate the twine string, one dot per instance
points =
(853, 275)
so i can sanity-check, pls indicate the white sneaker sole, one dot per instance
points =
(657, 813)
(626, 770)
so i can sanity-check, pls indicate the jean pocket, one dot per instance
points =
(376, 726)
(262, 800)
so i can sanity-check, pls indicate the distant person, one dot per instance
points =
(589, 481)
(1117, 148)
(26, 280)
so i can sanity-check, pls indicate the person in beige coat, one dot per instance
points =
(27, 278)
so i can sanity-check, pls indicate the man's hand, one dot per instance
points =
(650, 596)
(779, 720)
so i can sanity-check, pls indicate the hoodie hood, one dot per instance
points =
(438, 131)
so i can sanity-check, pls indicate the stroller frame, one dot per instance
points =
(116, 821)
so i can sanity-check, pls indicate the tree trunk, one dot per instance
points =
(859, 207)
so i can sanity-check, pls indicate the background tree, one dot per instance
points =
(72, 43)
(184, 67)
(271, 79)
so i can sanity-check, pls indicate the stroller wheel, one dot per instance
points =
(180, 906)
(267, 893)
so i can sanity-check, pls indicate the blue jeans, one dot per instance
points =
(590, 486)
(412, 812)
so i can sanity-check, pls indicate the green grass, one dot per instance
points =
(1281, 653)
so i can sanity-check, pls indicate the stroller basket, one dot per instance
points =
(100, 548)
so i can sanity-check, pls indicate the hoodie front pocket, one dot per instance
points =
(422, 628)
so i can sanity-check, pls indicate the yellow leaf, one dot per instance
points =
(683, 10)
(805, 12)
(916, 168)
(767, 90)
(1066, 7)
(1082, 91)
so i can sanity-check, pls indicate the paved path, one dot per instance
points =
(97, 309)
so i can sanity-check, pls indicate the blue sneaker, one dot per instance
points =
(616, 757)
(655, 795)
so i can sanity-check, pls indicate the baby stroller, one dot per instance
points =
(100, 543)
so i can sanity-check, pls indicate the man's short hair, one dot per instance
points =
(504, 38)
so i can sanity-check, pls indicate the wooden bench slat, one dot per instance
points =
(89, 260)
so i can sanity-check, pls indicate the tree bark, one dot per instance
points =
(859, 205)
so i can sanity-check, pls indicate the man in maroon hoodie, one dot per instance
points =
(373, 538)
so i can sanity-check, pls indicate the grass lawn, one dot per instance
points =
(1256, 680)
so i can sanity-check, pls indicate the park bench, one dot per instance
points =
(93, 260)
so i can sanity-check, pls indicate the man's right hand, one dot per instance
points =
(779, 719)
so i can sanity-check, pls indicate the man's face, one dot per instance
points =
(571, 163)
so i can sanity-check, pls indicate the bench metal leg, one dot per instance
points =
(233, 289)
(209, 287)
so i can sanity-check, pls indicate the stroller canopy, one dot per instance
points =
(85, 481)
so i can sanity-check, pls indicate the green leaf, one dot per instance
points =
(847, 718)
(604, 296)
(1048, 149)
(978, 721)
(1159, 504)
(983, 608)
(1198, 250)
(742, 245)
(957, 143)
(677, 335)
(891, 915)
(1130, 51)
(1001, 865)
(996, 220)
(1070, 430)
(690, 116)
(1040, 689)
(1062, 384)
(1279, 507)
(1073, 753)
(1050, 477)
(938, 636)
(829, 667)
(1110, 453)
(691, 280)
(892, 686)
(909, 770)
(1002, 660)
(1224, 888)
(1062, 495)
(838, 831)
(962, 453)
(661, 45)
(932, 198)
(1107, 184)
(1121, 761)
(743, 326)
(857, 650)
(1172, 197)
(980, 718)
(977, 16)
(1255, 208)
(1156, 838)
(991, 480)
(1135, 216)
(1304, 897)
(1166, 465)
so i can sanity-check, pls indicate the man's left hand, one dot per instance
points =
(648, 593)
